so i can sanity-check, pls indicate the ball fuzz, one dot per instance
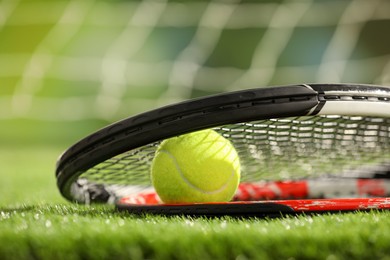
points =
(197, 167)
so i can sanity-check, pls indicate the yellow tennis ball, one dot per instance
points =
(197, 167)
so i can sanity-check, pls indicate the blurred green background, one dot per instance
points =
(71, 67)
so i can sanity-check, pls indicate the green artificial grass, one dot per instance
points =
(78, 232)
(36, 223)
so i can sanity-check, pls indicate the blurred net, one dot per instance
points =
(94, 59)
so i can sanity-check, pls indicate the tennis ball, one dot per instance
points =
(197, 167)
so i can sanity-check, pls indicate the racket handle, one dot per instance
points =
(315, 188)
(336, 205)
(283, 190)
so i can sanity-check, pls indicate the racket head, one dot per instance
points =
(92, 169)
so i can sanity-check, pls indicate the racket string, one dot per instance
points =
(273, 150)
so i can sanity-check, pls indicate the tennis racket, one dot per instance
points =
(303, 148)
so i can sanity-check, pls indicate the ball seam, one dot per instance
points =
(177, 166)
